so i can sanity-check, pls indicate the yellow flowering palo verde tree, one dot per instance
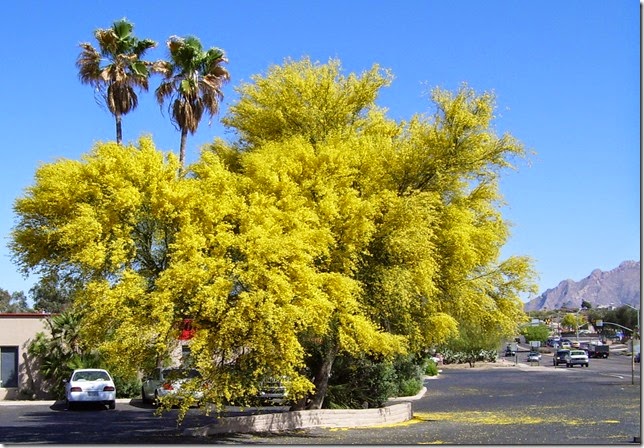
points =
(108, 221)
(326, 228)
(411, 210)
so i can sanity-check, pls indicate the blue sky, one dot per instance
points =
(566, 76)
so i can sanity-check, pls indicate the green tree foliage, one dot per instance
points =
(116, 69)
(53, 294)
(326, 230)
(472, 343)
(623, 315)
(13, 303)
(193, 80)
(62, 351)
(536, 333)
(573, 320)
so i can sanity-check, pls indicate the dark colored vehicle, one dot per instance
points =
(560, 357)
(637, 358)
(598, 351)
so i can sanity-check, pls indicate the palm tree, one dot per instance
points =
(193, 80)
(116, 68)
(62, 352)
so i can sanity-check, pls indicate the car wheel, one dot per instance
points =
(112, 404)
(70, 405)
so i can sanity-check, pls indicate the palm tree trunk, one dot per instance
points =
(182, 147)
(119, 132)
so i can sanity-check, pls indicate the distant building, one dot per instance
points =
(19, 373)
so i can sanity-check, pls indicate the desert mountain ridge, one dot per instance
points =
(601, 288)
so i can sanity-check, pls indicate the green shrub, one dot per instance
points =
(409, 387)
(409, 373)
(127, 387)
(367, 383)
(431, 369)
(360, 383)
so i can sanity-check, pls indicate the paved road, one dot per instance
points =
(503, 404)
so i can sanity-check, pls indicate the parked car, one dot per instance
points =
(560, 357)
(576, 357)
(90, 386)
(167, 381)
(272, 391)
(509, 351)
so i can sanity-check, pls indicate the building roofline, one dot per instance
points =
(26, 315)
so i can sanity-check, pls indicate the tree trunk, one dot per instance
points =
(182, 147)
(321, 379)
(119, 132)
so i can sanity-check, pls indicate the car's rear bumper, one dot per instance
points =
(84, 397)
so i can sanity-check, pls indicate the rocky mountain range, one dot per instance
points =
(601, 288)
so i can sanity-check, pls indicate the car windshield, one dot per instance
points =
(577, 352)
(91, 375)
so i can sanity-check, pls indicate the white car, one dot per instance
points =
(167, 381)
(90, 386)
(534, 357)
(576, 357)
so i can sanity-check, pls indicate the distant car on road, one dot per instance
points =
(90, 386)
(598, 351)
(576, 357)
(560, 357)
(534, 357)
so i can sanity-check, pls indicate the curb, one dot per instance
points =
(319, 418)
(398, 412)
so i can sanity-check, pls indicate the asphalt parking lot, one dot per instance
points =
(493, 405)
